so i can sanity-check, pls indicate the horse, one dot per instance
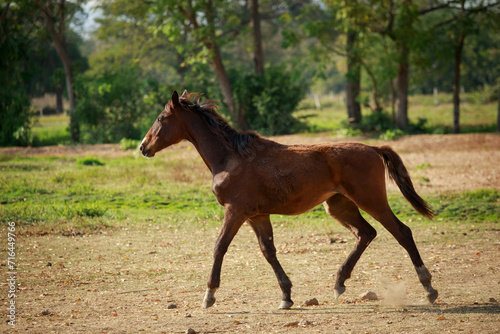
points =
(255, 177)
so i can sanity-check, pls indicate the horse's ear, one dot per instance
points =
(184, 94)
(175, 98)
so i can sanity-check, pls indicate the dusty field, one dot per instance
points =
(123, 281)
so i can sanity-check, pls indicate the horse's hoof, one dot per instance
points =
(338, 291)
(207, 302)
(285, 304)
(432, 296)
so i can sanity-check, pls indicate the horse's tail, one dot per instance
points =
(399, 174)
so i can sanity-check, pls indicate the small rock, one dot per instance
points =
(49, 264)
(188, 315)
(171, 306)
(46, 312)
(368, 295)
(304, 323)
(190, 331)
(292, 324)
(493, 300)
(311, 302)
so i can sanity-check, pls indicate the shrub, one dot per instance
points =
(392, 134)
(269, 100)
(129, 144)
(114, 103)
(89, 161)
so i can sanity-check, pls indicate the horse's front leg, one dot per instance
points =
(231, 225)
(264, 231)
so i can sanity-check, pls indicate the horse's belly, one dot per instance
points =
(299, 205)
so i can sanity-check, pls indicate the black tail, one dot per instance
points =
(399, 173)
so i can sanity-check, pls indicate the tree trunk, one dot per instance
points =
(353, 83)
(498, 111)
(59, 99)
(237, 114)
(257, 38)
(393, 102)
(402, 88)
(456, 84)
(60, 46)
(456, 78)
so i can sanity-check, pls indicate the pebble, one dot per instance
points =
(171, 306)
(292, 324)
(311, 302)
(305, 323)
(493, 300)
(368, 295)
(190, 331)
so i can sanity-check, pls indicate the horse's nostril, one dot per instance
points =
(141, 147)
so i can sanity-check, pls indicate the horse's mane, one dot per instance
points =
(237, 142)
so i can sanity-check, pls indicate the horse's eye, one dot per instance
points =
(161, 118)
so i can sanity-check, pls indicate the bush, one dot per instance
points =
(129, 144)
(114, 104)
(269, 100)
(89, 161)
(14, 117)
(392, 134)
(377, 121)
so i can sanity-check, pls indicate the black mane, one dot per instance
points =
(236, 142)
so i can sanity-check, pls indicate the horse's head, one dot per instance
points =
(168, 128)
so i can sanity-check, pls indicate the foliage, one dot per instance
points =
(15, 71)
(268, 101)
(392, 134)
(115, 104)
(89, 161)
(129, 144)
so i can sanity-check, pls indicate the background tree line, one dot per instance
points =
(259, 57)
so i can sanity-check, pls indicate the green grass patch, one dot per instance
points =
(63, 195)
(50, 130)
(89, 161)
(332, 116)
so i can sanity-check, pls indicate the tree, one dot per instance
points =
(463, 19)
(17, 39)
(353, 84)
(57, 18)
(257, 38)
(205, 25)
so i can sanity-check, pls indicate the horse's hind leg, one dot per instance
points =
(347, 214)
(379, 209)
(264, 231)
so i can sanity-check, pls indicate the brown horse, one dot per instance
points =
(254, 177)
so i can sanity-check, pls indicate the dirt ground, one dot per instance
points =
(128, 281)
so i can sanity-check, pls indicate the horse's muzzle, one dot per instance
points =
(145, 152)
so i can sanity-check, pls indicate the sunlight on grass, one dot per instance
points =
(332, 114)
(57, 194)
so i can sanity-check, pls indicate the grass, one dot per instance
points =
(474, 117)
(62, 195)
(50, 130)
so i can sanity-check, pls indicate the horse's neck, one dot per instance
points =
(212, 151)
